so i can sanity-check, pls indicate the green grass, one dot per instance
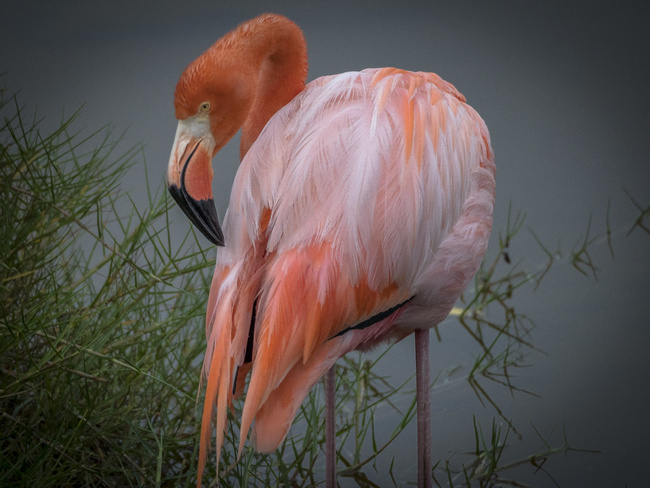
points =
(101, 339)
(100, 318)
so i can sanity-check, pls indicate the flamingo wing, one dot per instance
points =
(338, 214)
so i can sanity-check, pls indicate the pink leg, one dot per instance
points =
(423, 385)
(330, 428)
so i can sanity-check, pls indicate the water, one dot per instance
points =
(563, 89)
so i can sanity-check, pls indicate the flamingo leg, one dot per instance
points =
(423, 407)
(330, 428)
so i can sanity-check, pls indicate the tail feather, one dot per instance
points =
(291, 322)
(275, 416)
(228, 323)
(217, 369)
(307, 302)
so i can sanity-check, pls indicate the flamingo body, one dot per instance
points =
(365, 190)
(366, 198)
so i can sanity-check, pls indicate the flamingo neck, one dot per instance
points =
(273, 52)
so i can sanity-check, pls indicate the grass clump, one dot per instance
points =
(100, 318)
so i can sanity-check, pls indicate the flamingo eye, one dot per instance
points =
(204, 107)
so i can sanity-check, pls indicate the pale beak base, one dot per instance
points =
(189, 177)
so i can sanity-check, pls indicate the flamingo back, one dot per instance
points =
(368, 190)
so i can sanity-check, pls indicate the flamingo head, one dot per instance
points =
(211, 104)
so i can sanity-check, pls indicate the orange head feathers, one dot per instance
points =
(239, 82)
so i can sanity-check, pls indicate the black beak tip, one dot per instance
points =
(202, 213)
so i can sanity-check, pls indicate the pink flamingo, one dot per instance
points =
(361, 210)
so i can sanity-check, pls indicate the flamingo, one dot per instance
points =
(361, 209)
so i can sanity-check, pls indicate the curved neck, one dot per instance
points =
(271, 52)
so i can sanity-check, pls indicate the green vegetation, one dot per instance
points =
(100, 320)
(101, 339)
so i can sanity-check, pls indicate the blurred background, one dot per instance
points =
(563, 88)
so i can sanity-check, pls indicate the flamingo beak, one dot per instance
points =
(189, 176)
